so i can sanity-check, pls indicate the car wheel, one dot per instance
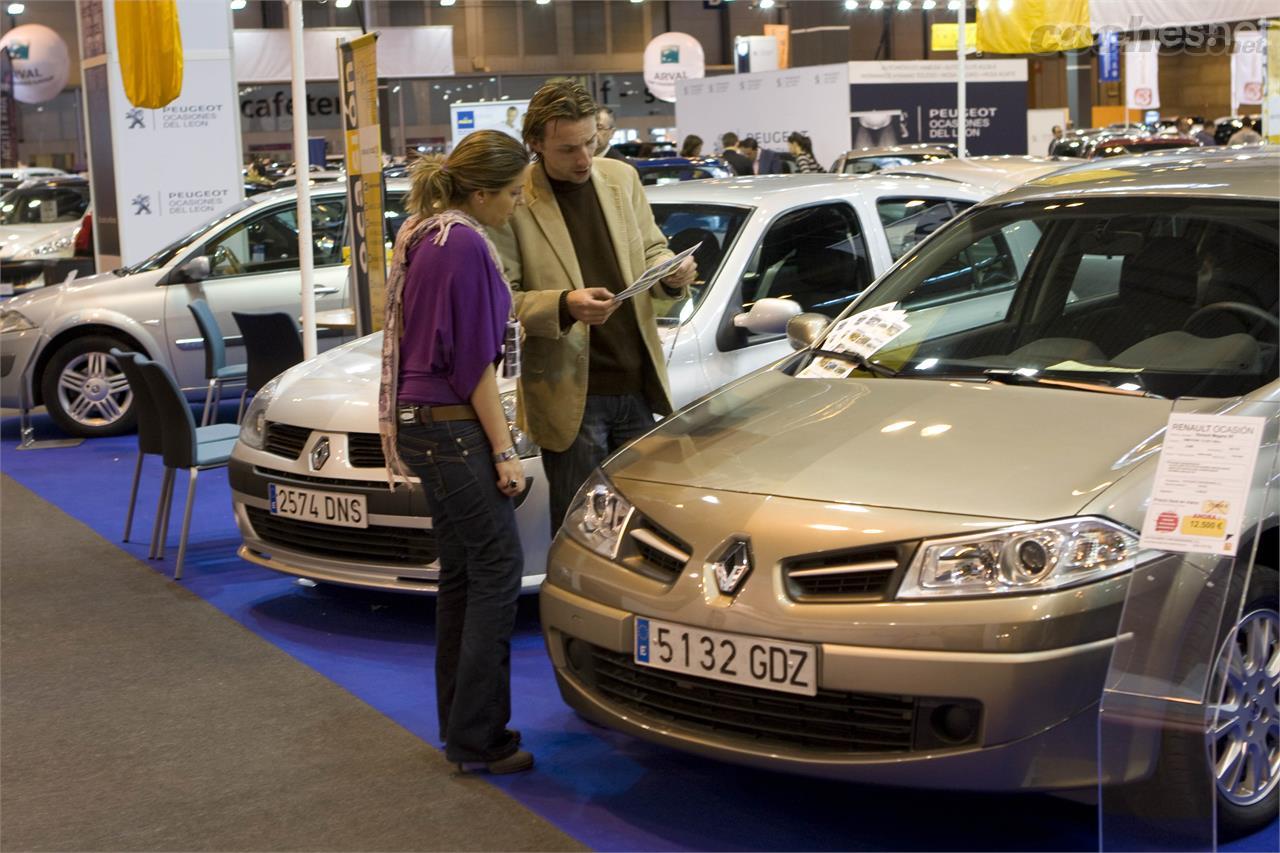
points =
(85, 391)
(1243, 742)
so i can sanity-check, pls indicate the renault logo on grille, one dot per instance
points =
(320, 453)
(733, 566)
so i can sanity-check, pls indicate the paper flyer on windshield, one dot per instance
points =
(1202, 484)
(863, 334)
(655, 274)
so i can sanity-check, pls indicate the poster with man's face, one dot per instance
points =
(506, 116)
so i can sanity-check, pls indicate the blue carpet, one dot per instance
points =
(609, 791)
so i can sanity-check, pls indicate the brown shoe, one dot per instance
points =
(516, 762)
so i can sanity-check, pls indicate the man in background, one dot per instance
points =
(606, 127)
(731, 155)
(764, 161)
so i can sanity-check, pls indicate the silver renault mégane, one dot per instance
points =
(909, 568)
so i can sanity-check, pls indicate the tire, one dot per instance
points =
(1244, 719)
(84, 388)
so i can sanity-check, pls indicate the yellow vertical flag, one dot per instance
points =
(150, 46)
(1033, 26)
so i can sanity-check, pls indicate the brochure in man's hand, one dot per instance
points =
(655, 274)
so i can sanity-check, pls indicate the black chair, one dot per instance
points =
(216, 370)
(149, 440)
(272, 344)
(183, 446)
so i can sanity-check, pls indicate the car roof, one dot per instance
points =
(890, 150)
(775, 191)
(998, 172)
(54, 181)
(1242, 171)
(325, 188)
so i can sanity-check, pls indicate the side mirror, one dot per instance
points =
(768, 316)
(803, 330)
(196, 269)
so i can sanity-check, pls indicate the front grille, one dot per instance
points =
(321, 481)
(655, 552)
(830, 722)
(285, 439)
(861, 575)
(397, 546)
(364, 450)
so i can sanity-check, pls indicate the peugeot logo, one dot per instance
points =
(733, 566)
(320, 453)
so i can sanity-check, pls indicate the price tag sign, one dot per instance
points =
(1202, 484)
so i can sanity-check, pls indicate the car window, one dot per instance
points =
(713, 228)
(42, 205)
(814, 255)
(907, 221)
(1174, 296)
(268, 242)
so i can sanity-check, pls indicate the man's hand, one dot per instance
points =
(591, 305)
(684, 275)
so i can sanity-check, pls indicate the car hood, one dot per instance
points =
(18, 241)
(337, 390)
(969, 448)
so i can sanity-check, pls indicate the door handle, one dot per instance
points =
(321, 290)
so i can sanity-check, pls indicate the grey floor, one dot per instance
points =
(133, 716)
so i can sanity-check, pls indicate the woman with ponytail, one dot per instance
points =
(448, 312)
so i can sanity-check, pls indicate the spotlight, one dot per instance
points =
(543, 2)
(876, 5)
(447, 2)
(850, 5)
(904, 5)
(16, 8)
(953, 6)
(236, 5)
(765, 4)
(341, 4)
(929, 5)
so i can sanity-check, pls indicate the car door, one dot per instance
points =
(815, 255)
(254, 267)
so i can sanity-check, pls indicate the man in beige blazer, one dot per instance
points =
(593, 375)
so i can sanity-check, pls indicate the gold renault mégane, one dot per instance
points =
(909, 567)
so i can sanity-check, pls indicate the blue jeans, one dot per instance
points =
(608, 422)
(481, 563)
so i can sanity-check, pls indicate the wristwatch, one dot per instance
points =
(506, 455)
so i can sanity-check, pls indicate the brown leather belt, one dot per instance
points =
(412, 413)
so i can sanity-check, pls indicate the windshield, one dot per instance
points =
(44, 204)
(162, 257)
(1171, 296)
(685, 224)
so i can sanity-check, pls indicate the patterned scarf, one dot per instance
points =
(393, 323)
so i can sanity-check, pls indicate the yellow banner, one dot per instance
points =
(1271, 100)
(150, 45)
(358, 85)
(1034, 26)
(945, 37)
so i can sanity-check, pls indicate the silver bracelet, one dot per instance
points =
(506, 455)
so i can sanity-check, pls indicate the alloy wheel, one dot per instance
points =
(1244, 735)
(93, 391)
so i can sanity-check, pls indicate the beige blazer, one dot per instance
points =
(539, 261)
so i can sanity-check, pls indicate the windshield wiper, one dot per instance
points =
(1016, 377)
(858, 361)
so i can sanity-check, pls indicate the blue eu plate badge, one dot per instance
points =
(271, 495)
(642, 640)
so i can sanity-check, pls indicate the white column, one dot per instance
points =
(962, 110)
(302, 171)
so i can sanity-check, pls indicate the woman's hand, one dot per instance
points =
(510, 477)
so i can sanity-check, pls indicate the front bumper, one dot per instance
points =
(396, 552)
(21, 275)
(17, 351)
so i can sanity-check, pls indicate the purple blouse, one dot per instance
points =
(456, 306)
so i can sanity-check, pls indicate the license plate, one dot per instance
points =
(320, 507)
(736, 658)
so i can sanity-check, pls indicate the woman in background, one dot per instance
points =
(439, 414)
(691, 147)
(802, 150)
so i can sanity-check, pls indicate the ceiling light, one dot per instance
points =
(850, 5)
(877, 5)
(16, 8)
(765, 4)
(236, 5)
(929, 5)
(1005, 6)
(447, 2)
(341, 4)
(953, 6)
(904, 5)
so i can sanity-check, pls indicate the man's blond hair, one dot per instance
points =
(557, 99)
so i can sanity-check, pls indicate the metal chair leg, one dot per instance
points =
(240, 411)
(186, 523)
(165, 484)
(208, 403)
(168, 509)
(133, 498)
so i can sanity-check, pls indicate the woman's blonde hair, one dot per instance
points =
(484, 160)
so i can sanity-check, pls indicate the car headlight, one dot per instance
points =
(523, 444)
(59, 245)
(598, 516)
(1027, 558)
(253, 429)
(14, 321)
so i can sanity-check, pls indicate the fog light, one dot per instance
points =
(954, 723)
(578, 654)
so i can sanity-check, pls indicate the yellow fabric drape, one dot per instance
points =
(150, 46)
(1033, 26)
